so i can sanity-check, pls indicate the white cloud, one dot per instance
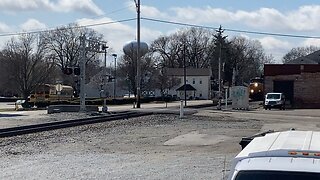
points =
(32, 24)
(200, 15)
(311, 42)
(4, 28)
(86, 6)
(147, 11)
(119, 34)
(271, 43)
(152, 12)
(278, 48)
(18, 5)
(264, 17)
(305, 18)
(148, 35)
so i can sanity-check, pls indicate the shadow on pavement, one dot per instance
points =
(10, 115)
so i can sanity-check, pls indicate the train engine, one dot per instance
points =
(256, 88)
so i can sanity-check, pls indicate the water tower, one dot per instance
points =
(131, 50)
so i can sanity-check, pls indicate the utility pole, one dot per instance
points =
(219, 38)
(138, 53)
(82, 73)
(219, 76)
(184, 75)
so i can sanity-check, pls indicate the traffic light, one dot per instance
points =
(110, 78)
(76, 71)
(67, 70)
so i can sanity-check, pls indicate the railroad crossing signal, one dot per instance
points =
(69, 71)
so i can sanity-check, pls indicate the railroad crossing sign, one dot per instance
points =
(59, 88)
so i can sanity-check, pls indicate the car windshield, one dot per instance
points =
(283, 175)
(273, 96)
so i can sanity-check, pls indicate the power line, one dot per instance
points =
(273, 34)
(232, 30)
(113, 12)
(74, 27)
(179, 23)
(110, 22)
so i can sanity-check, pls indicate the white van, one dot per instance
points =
(289, 155)
(274, 100)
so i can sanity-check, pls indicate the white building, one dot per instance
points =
(197, 83)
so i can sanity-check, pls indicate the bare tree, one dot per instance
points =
(198, 41)
(166, 50)
(165, 82)
(188, 44)
(64, 45)
(127, 70)
(295, 53)
(6, 86)
(27, 63)
(247, 57)
(201, 48)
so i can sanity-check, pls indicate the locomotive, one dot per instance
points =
(256, 88)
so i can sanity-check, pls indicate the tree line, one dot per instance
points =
(197, 48)
(31, 59)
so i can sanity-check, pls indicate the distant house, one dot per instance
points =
(298, 79)
(197, 83)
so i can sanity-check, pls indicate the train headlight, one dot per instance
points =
(255, 84)
(252, 91)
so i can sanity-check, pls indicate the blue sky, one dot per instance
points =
(285, 16)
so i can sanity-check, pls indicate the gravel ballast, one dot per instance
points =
(149, 147)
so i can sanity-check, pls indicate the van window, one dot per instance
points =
(283, 175)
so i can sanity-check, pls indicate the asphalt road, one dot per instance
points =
(278, 120)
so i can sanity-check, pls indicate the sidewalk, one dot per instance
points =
(18, 118)
(162, 105)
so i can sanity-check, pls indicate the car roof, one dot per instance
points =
(274, 93)
(281, 144)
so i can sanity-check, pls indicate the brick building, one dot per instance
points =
(299, 82)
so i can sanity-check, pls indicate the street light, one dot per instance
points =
(115, 75)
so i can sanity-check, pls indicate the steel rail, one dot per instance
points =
(28, 129)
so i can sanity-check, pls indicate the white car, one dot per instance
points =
(289, 155)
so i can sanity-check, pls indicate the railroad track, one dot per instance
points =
(8, 132)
